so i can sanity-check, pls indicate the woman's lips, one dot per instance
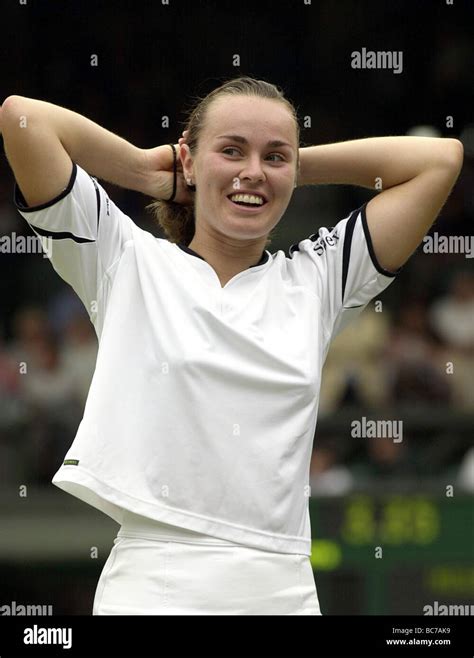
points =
(247, 209)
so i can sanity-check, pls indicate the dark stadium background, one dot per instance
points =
(366, 493)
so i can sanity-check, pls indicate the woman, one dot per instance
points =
(198, 428)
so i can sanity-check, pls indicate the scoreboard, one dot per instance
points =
(392, 554)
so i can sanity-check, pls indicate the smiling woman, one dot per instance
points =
(215, 135)
(200, 449)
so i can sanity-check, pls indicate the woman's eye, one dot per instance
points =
(231, 148)
(278, 156)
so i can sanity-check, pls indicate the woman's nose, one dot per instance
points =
(253, 169)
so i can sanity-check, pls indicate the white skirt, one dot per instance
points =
(158, 569)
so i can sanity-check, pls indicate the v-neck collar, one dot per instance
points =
(262, 260)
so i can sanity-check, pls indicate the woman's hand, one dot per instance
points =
(159, 174)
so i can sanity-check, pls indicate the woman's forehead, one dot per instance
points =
(274, 120)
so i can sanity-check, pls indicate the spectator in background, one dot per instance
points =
(47, 385)
(9, 375)
(11, 419)
(354, 370)
(31, 329)
(62, 307)
(11, 407)
(415, 360)
(79, 353)
(384, 460)
(52, 408)
(452, 320)
(327, 477)
(79, 343)
(452, 317)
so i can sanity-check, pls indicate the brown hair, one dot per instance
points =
(178, 220)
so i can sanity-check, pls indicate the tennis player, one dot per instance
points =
(198, 428)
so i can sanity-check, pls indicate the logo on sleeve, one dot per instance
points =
(70, 462)
(322, 243)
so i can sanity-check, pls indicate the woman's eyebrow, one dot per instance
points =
(242, 140)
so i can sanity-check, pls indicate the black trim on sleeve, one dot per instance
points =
(346, 250)
(370, 246)
(59, 235)
(20, 201)
(97, 193)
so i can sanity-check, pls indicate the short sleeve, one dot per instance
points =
(83, 233)
(339, 265)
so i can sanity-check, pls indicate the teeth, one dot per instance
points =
(247, 198)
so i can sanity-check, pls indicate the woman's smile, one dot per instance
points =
(246, 208)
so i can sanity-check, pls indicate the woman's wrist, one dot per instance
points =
(141, 173)
(157, 178)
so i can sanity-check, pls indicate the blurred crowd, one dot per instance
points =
(416, 366)
(45, 374)
(422, 355)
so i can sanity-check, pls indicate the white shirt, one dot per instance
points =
(202, 408)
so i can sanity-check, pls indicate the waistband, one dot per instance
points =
(134, 525)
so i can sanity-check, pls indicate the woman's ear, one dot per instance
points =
(186, 161)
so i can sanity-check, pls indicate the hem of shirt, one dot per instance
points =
(80, 483)
(20, 201)
(370, 246)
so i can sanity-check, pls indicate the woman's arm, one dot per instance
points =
(377, 163)
(415, 174)
(100, 152)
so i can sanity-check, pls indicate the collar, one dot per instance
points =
(262, 260)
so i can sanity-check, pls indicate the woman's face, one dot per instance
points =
(226, 164)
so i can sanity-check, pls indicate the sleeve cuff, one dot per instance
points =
(370, 246)
(20, 202)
